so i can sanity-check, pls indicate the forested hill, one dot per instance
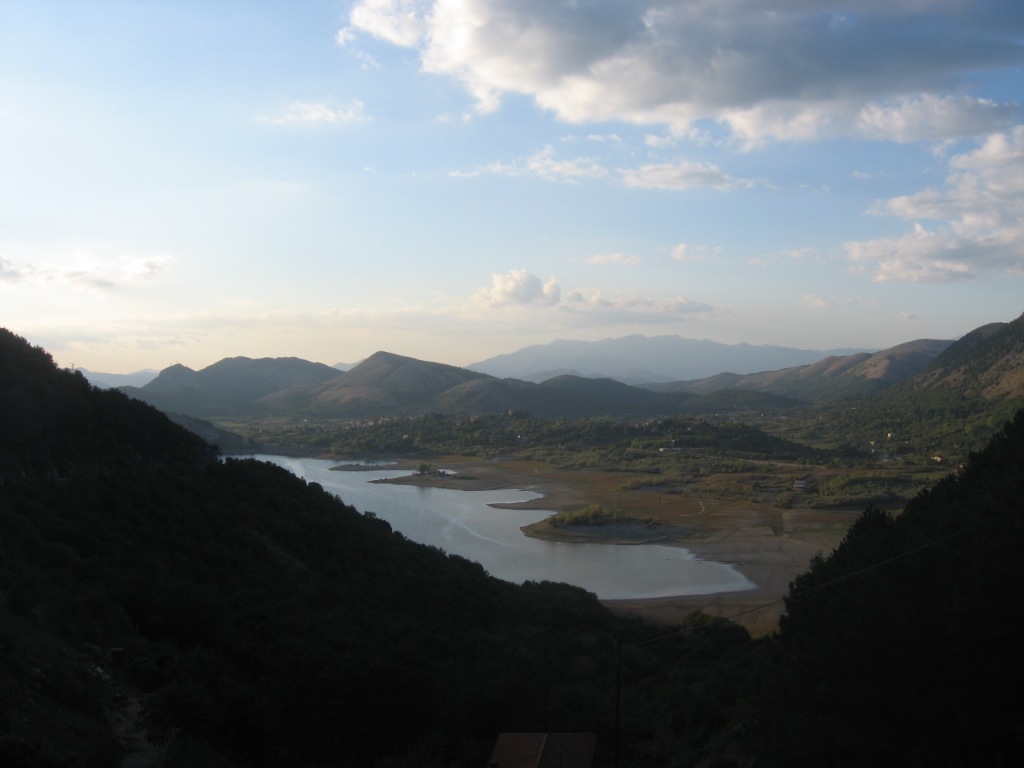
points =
(988, 362)
(52, 421)
(161, 605)
(903, 646)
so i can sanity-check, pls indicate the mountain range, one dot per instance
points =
(644, 359)
(831, 377)
(987, 363)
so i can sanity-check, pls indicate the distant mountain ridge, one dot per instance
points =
(829, 378)
(988, 362)
(113, 380)
(646, 359)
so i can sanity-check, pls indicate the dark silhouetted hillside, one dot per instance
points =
(229, 613)
(902, 647)
(53, 422)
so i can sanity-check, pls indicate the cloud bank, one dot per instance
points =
(762, 70)
(974, 222)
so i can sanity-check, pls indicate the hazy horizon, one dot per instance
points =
(453, 181)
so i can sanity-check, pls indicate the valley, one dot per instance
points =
(247, 612)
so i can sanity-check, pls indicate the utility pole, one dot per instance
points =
(618, 697)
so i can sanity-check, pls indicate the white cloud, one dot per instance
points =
(671, 176)
(765, 69)
(659, 142)
(398, 21)
(906, 316)
(681, 176)
(345, 36)
(814, 302)
(10, 273)
(627, 308)
(317, 112)
(687, 252)
(545, 165)
(978, 214)
(518, 287)
(613, 258)
(934, 118)
(88, 271)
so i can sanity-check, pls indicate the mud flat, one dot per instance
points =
(769, 546)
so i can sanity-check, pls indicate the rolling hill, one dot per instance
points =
(228, 387)
(986, 363)
(386, 384)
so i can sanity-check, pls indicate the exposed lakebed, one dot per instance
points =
(464, 523)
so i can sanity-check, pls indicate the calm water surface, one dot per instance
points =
(463, 523)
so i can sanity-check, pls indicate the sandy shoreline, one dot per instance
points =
(769, 547)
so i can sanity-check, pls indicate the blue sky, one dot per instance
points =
(184, 181)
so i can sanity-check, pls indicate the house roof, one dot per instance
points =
(543, 750)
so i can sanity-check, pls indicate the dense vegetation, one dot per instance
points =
(238, 616)
(902, 646)
(646, 445)
(252, 619)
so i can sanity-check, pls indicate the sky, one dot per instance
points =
(183, 181)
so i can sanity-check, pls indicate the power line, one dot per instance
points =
(831, 582)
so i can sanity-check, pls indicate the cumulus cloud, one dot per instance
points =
(317, 112)
(398, 21)
(764, 69)
(975, 219)
(519, 287)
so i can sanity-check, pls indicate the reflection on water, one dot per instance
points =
(461, 522)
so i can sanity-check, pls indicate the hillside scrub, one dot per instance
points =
(592, 514)
(257, 620)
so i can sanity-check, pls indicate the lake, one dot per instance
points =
(463, 523)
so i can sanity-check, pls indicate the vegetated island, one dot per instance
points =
(769, 546)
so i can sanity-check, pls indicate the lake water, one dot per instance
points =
(463, 523)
